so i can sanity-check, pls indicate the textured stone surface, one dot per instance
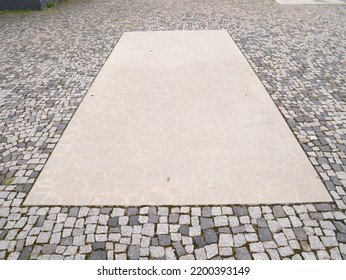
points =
(216, 64)
(310, 2)
(242, 253)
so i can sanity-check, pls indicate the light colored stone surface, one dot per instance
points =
(309, 2)
(177, 118)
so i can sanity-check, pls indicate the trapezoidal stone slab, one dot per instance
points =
(177, 118)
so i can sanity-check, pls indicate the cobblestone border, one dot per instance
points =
(50, 60)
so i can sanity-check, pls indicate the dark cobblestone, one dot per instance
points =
(164, 239)
(242, 253)
(97, 255)
(210, 236)
(341, 237)
(134, 252)
(98, 246)
(199, 241)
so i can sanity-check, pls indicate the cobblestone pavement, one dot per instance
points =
(50, 58)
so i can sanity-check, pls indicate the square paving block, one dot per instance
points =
(177, 118)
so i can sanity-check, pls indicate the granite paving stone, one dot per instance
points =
(240, 211)
(97, 255)
(220, 221)
(260, 256)
(162, 229)
(164, 239)
(210, 236)
(315, 243)
(179, 249)
(200, 254)
(251, 237)
(157, 251)
(242, 253)
(341, 237)
(265, 234)
(233, 221)
(169, 254)
(206, 223)
(255, 212)
(239, 240)
(195, 231)
(280, 239)
(184, 230)
(343, 249)
(211, 250)
(225, 240)
(323, 255)
(257, 247)
(278, 211)
(274, 255)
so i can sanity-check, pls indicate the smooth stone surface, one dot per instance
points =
(309, 2)
(177, 118)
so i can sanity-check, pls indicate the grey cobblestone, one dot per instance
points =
(210, 236)
(260, 256)
(239, 240)
(242, 253)
(206, 223)
(278, 211)
(255, 212)
(233, 221)
(315, 243)
(265, 234)
(274, 254)
(257, 247)
(43, 237)
(225, 240)
(221, 221)
(211, 250)
(157, 251)
(169, 253)
(285, 251)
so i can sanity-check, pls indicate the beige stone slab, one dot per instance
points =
(177, 118)
(310, 2)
